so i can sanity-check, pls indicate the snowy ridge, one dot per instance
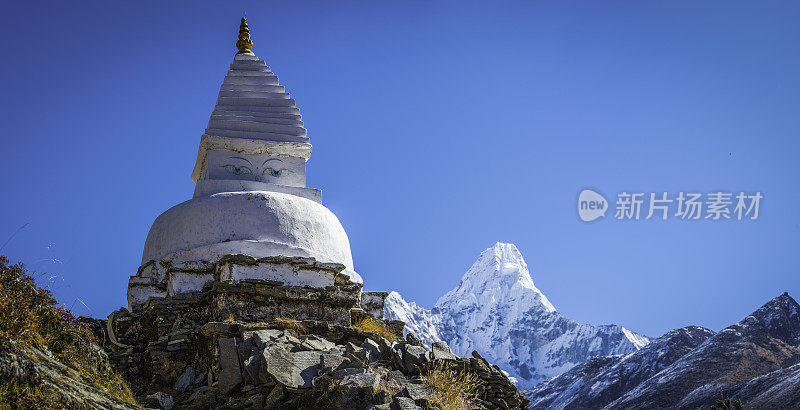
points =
(755, 361)
(769, 337)
(418, 320)
(601, 380)
(497, 310)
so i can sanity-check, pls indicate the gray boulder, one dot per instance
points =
(405, 403)
(314, 342)
(261, 337)
(440, 350)
(369, 381)
(342, 373)
(160, 400)
(414, 356)
(185, 380)
(288, 339)
(372, 349)
(418, 392)
(385, 346)
(355, 353)
(197, 393)
(230, 376)
(332, 362)
(291, 369)
(413, 340)
(252, 366)
(397, 376)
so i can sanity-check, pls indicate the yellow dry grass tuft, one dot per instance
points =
(16, 395)
(291, 324)
(375, 326)
(456, 389)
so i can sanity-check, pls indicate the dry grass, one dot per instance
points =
(455, 388)
(389, 386)
(375, 326)
(292, 324)
(31, 316)
(101, 377)
(19, 395)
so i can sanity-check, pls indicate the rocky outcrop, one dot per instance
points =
(308, 364)
(497, 391)
(56, 384)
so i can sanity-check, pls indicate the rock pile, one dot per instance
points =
(497, 390)
(308, 364)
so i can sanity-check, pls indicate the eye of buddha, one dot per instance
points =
(240, 170)
(276, 172)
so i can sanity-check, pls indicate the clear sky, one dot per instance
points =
(438, 128)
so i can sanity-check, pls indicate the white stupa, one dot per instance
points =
(250, 199)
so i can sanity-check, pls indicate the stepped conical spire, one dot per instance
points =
(253, 105)
(244, 44)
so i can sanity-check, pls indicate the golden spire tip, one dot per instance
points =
(244, 44)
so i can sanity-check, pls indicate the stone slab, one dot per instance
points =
(230, 375)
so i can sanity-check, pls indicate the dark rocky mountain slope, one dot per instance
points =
(603, 379)
(755, 360)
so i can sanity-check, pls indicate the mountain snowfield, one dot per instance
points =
(497, 310)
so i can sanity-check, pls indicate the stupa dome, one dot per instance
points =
(254, 223)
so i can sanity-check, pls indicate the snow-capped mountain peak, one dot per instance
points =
(497, 310)
(499, 276)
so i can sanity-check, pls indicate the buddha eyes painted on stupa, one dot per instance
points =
(267, 168)
(255, 168)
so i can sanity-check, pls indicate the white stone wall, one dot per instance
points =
(289, 274)
(187, 282)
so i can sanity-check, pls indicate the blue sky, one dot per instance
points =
(438, 128)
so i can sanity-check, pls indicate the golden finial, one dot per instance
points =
(244, 44)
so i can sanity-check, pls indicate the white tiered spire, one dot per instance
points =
(252, 104)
